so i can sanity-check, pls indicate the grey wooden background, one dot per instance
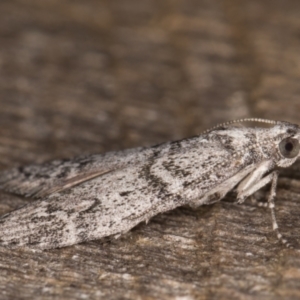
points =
(91, 76)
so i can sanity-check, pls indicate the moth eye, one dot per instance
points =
(289, 147)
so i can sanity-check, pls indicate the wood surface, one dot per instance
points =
(92, 76)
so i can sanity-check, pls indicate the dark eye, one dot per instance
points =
(289, 147)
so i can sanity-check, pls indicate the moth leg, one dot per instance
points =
(243, 194)
(272, 177)
(272, 208)
(254, 177)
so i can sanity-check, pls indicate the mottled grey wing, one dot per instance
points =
(100, 207)
(173, 175)
(39, 180)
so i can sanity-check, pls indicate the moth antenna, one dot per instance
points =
(258, 120)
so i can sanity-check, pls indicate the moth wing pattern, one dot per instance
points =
(82, 213)
(40, 180)
(140, 183)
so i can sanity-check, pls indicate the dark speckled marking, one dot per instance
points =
(126, 193)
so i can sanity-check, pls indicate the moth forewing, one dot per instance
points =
(40, 180)
(219, 192)
(95, 196)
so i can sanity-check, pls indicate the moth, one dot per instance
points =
(94, 196)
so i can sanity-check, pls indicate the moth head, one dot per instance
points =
(287, 143)
(280, 142)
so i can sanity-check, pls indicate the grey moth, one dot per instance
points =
(94, 196)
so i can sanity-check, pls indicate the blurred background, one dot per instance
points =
(92, 76)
